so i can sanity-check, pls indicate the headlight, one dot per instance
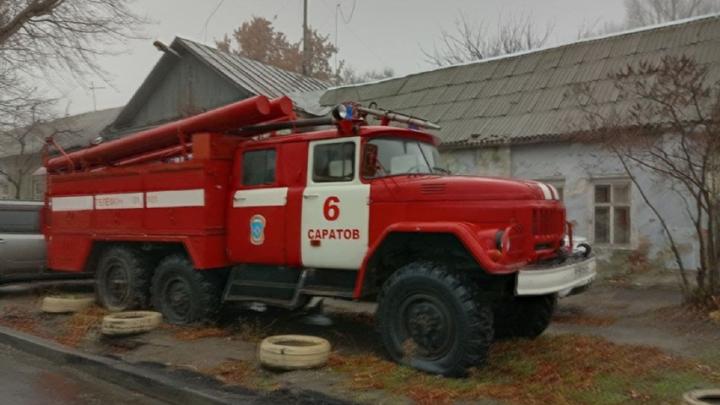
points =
(499, 235)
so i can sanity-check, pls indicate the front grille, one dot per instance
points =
(548, 221)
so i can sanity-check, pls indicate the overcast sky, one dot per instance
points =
(378, 33)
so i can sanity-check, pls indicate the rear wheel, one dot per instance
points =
(524, 317)
(122, 279)
(431, 318)
(185, 295)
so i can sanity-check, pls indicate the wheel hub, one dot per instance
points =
(177, 294)
(117, 284)
(428, 324)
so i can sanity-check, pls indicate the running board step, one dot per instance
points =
(281, 286)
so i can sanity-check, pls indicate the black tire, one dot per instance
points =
(524, 317)
(122, 279)
(432, 319)
(185, 295)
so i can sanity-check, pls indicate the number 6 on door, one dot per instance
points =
(331, 209)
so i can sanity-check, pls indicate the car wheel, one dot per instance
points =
(431, 318)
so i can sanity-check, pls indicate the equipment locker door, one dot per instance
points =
(256, 223)
(335, 210)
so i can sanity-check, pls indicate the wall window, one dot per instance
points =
(259, 167)
(334, 162)
(612, 213)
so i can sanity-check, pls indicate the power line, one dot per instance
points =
(207, 21)
(359, 39)
(352, 12)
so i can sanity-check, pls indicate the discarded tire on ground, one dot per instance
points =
(129, 323)
(702, 397)
(293, 352)
(61, 304)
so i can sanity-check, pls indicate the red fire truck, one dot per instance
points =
(248, 203)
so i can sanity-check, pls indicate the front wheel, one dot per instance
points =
(431, 318)
(185, 295)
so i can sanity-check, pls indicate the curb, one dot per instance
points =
(181, 387)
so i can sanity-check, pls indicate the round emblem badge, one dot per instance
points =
(257, 229)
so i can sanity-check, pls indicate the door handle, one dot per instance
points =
(239, 198)
(309, 196)
(2, 241)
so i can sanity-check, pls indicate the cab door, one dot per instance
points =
(256, 220)
(335, 206)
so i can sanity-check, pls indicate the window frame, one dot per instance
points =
(241, 179)
(355, 161)
(611, 205)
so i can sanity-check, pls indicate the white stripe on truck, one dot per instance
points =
(75, 203)
(177, 198)
(152, 199)
(261, 197)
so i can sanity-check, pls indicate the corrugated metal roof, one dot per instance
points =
(257, 77)
(531, 96)
(247, 75)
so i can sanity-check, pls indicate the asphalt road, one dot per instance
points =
(29, 380)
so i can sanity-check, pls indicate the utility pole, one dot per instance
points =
(92, 88)
(306, 49)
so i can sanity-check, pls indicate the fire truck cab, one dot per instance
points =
(227, 209)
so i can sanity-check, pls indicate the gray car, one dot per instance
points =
(22, 245)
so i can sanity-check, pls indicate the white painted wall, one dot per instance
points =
(580, 165)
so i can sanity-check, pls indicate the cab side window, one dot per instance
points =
(334, 162)
(259, 167)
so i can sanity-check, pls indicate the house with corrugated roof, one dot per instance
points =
(514, 116)
(190, 78)
(21, 150)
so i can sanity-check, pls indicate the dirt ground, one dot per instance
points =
(616, 343)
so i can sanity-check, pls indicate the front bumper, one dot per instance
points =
(568, 278)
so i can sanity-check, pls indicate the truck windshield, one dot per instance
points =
(393, 156)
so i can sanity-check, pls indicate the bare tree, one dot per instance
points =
(471, 41)
(669, 129)
(44, 35)
(641, 13)
(18, 143)
(44, 40)
(352, 76)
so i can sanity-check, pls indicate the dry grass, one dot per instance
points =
(555, 369)
(200, 332)
(243, 373)
(19, 318)
(252, 330)
(80, 324)
(237, 372)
